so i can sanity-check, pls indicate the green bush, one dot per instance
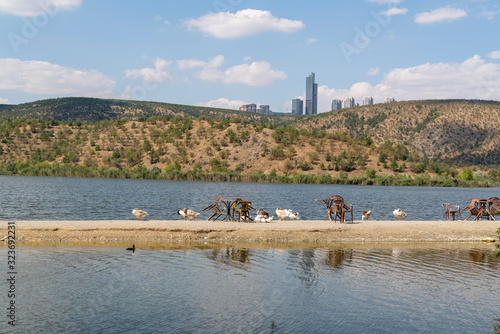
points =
(371, 173)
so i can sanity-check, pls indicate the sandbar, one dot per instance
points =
(109, 232)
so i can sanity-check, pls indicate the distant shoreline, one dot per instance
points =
(113, 232)
(385, 179)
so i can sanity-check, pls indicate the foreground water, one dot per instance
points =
(49, 198)
(231, 289)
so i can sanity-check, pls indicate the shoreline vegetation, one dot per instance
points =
(140, 172)
(184, 143)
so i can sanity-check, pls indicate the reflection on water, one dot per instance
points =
(229, 255)
(336, 257)
(235, 289)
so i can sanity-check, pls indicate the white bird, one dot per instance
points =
(281, 213)
(263, 219)
(293, 215)
(139, 213)
(399, 214)
(366, 215)
(188, 214)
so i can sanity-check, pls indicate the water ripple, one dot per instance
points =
(234, 289)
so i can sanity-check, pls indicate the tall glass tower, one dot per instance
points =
(297, 106)
(311, 96)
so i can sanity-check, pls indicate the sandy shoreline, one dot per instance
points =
(179, 231)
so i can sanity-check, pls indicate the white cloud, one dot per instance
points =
(159, 73)
(472, 79)
(385, 2)
(223, 103)
(243, 23)
(4, 101)
(40, 77)
(253, 74)
(494, 55)
(490, 14)
(395, 11)
(127, 93)
(440, 15)
(37, 7)
(185, 64)
(311, 40)
(373, 71)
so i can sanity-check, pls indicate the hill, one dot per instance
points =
(454, 131)
(445, 130)
(183, 148)
(90, 110)
(400, 138)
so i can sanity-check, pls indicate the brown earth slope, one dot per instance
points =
(465, 131)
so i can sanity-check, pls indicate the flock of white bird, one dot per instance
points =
(262, 216)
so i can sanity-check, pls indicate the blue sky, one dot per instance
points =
(229, 52)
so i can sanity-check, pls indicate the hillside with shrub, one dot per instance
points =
(461, 131)
(90, 110)
(218, 149)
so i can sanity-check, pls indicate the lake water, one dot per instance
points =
(49, 198)
(230, 289)
(423, 288)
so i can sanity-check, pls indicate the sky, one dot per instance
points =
(225, 53)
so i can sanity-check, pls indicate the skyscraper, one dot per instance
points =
(336, 104)
(311, 96)
(367, 100)
(349, 102)
(264, 109)
(297, 106)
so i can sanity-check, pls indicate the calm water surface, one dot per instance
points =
(230, 289)
(48, 198)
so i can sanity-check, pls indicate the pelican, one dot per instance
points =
(366, 215)
(263, 219)
(188, 214)
(282, 214)
(399, 214)
(139, 213)
(293, 215)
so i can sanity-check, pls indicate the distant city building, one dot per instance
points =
(252, 107)
(336, 104)
(367, 100)
(311, 96)
(297, 106)
(349, 102)
(389, 99)
(249, 107)
(264, 109)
